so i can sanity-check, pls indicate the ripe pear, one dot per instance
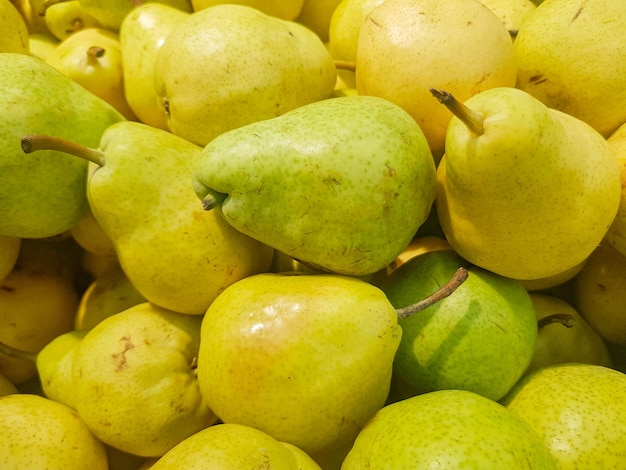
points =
(295, 354)
(616, 235)
(481, 338)
(37, 98)
(176, 254)
(316, 15)
(341, 185)
(14, 37)
(231, 65)
(92, 57)
(284, 9)
(572, 340)
(578, 411)
(7, 387)
(135, 380)
(406, 47)
(9, 252)
(91, 237)
(29, 11)
(42, 45)
(512, 13)
(111, 13)
(40, 433)
(66, 17)
(447, 429)
(570, 56)
(600, 293)
(234, 447)
(553, 198)
(142, 33)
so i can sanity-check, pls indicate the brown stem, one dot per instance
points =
(444, 291)
(565, 319)
(469, 117)
(96, 52)
(10, 351)
(33, 143)
(345, 65)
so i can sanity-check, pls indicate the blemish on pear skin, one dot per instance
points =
(537, 79)
(120, 358)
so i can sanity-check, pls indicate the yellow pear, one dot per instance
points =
(511, 12)
(40, 433)
(284, 9)
(6, 386)
(90, 236)
(9, 251)
(14, 36)
(316, 14)
(616, 235)
(42, 45)
(406, 47)
(570, 55)
(66, 17)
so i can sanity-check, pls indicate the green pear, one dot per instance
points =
(9, 252)
(481, 338)
(176, 254)
(111, 13)
(234, 447)
(306, 358)
(407, 46)
(550, 211)
(570, 56)
(231, 65)
(40, 433)
(14, 37)
(135, 380)
(37, 98)
(600, 293)
(55, 364)
(284, 9)
(341, 184)
(447, 429)
(616, 235)
(576, 341)
(578, 410)
(142, 33)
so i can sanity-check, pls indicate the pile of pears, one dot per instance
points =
(312, 234)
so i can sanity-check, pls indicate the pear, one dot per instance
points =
(40, 433)
(142, 33)
(295, 354)
(616, 235)
(570, 56)
(231, 65)
(135, 381)
(14, 37)
(234, 447)
(316, 15)
(558, 343)
(407, 46)
(42, 45)
(175, 254)
(7, 387)
(65, 17)
(481, 338)
(38, 98)
(91, 237)
(92, 57)
(578, 411)
(9, 252)
(553, 197)
(447, 429)
(512, 13)
(600, 293)
(283, 9)
(341, 184)
(111, 13)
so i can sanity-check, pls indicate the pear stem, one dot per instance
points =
(35, 142)
(95, 52)
(10, 351)
(444, 291)
(565, 319)
(345, 65)
(47, 4)
(469, 117)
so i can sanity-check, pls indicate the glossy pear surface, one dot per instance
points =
(342, 184)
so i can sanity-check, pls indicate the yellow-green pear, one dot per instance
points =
(40, 433)
(91, 237)
(37, 98)
(564, 335)
(174, 253)
(284, 9)
(316, 15)
(9, 252)
(42, 45)
(111, 13)
(14, 36)
(66, 17)
(523, 206)
(231, 65)
(142, 33)
(406, 47)
(135, 380)
(512, 13)
(447, 429)
(600, 293)
(579, 412)
(306, 358)
(570, 56)
(234, 447)
(616, 235)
